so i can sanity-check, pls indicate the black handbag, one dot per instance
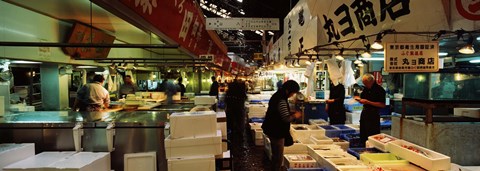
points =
(288, 140)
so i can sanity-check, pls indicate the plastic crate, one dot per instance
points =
(353, 139)
(381, 158)
(256, 120)
(344, 129)
(357, 151)
(330, 131)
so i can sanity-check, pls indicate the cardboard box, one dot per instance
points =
(420, 156)
(380, 141)
(299, 161)
(193, 124)
(11, 153)
(203, 162)
(193, 146)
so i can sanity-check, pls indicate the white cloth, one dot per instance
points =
(348, 74)
(333, 71)
(109, 83)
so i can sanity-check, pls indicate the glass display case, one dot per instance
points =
(442, 86)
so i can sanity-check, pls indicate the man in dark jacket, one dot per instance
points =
(373, 99)
(214, 87)
(277, 121)
(335, 109)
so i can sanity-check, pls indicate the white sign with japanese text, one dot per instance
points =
(411, 57)
(243, 24)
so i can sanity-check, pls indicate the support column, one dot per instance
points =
(54, 87)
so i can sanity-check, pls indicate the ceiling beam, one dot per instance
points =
(89, 45)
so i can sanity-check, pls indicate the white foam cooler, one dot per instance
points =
(424, 158)
(203, 163)
(205, 100)
(11, 153)
(208, 145)
(63, 161)
(193, 124)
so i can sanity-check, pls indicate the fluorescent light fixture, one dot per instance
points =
(24, 62)
(85, 67)
(442, 53)
(379, 52)
(372, 59)
(475, 61)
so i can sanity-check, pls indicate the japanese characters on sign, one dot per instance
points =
(361, 14)
(180, 21)
(243, 24)
(411, 57)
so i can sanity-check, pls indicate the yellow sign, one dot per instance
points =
(411, 57)
(258, 56)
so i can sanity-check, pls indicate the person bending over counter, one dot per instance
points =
(129, 87)
(373, 99)
(92, 96)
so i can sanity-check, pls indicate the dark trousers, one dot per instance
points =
(369, 125)
(277, 152)
(236, 120)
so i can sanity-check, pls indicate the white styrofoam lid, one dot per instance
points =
(182, 142)
(44, 159)
(140, 161)
(79, 160)
(11, 146)
(199, 157)
(189, 114)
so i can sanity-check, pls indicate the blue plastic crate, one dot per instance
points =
(257, 120)
(357, 151)
(307, 169)
(353, 139)
(386, 124)
(331, 131)
(344, 129)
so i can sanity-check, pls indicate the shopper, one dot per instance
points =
(182, 87)
(92, 96)
(335, 108)
(277, 121)
(214, 87)
(373, 99)
(129, 87)
(163, 86)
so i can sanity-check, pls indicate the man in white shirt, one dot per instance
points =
(92, 96)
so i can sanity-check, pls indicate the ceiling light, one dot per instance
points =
(240, 1)
(475, 61)
(291, 64)
(360, 65)
(377, 44)
(24, 62)
(467, 49)
(297, 64)
(308, 62)
(357, 62)
(339, 56)
(85, 67)
(366, 54)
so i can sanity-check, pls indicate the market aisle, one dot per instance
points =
(248, 157)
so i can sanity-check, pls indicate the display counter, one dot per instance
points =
(135, 131)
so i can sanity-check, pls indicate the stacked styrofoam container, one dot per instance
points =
(11, 153)
(193, 141)
(304, 131)
(222, 126)
(380, 141)
(62, 161)
(205, 100)
(257, 110)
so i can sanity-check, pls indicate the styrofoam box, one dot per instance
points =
(193, 124)
(342, 143)
(193, 146)
(299, 161)
(84, 161)
(203, 162)
(63, 161)
(312, 148)
(334, 163)
(259, 142)
(323, 156)
(256, 108)
(380, 141)
(224, 146)
(11, 153)
(140, 161)
(434, 161)
(321, 139)
(317, 122)
(177, 96)
(306, 141)
(296, 148)
(353, 117)
(222, 126)
(38, 162)
(205, 100)
(467, 112)
(258, 134)
(353, 168)
(304, 131)
(255, 125)
(257, 115)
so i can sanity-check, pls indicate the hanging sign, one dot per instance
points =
(243, 24)
(411, 57)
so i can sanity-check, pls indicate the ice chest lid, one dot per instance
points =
(192, 158)
(42, 160)
(193, 141)
(80, 160)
